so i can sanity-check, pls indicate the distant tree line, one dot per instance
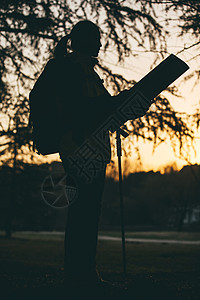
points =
(151, 199)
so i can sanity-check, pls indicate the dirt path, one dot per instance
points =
(157, 241)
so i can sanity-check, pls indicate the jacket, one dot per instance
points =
(83, 100)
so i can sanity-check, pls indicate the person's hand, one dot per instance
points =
(124, 93)
(122, 96)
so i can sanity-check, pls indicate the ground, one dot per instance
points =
(34, 268)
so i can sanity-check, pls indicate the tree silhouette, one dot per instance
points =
(186, 20)
(29, 31)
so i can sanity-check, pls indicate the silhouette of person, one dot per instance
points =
(82, 99)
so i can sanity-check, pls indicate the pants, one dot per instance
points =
(81, 232)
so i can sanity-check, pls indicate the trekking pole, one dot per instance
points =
(120, 132)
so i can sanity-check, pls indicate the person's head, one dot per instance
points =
(85, 38)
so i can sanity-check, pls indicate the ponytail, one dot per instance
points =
(60, 50)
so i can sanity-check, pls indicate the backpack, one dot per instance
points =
(44, 111)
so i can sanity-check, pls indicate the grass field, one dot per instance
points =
(154, 271)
